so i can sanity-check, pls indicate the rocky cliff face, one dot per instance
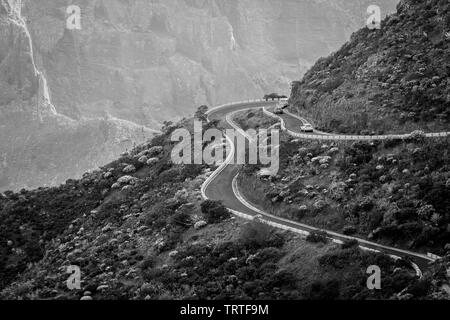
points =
(148, 61)
(143, 62)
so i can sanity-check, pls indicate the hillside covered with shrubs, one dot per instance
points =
(395, 192)
(395, 79)
(138, 228)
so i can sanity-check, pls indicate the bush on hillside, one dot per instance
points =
(214, 211)
(256, 234)
(317, 236)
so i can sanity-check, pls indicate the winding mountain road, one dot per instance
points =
(222, 184)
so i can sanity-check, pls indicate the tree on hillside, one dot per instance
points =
(200, 114)
(166, 126)
(214, 211)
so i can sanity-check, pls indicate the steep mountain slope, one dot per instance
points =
(143, 232)
(395, 79)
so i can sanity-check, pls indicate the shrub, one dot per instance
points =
(296, 213)
(157, 216)
(172, 239)
(324, 290)
(181, 219)
(214, 211)
(269, 254)
(349, 230)
(148, 263)
(330, 85)
(254, 234)
(200, 114)
(317, 236)
(420, 288)
(392, 143)
(350, 244)
(417, 136)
